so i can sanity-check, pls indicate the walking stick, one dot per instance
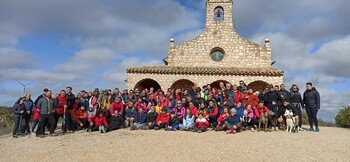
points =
(64, 121)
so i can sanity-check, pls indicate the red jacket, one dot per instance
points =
(253, 100)
(213, 114)
(222, 117)
(117, 106)
(163, 117)
(61, 101)
(194, 111)
(258, 110)
(36, 114)
(201, 124)
(98, 121)
(244, 98)
(237, 96)
(79, 114)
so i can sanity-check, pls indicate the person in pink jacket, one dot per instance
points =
(248, 116)
(179, 110)
(140, 104)
(117, 105)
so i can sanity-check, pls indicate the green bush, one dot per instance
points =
(6, 117)
(343, 117)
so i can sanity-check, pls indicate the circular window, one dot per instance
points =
(217, 55)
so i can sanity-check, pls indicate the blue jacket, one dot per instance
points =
(16, 109)
(130, 112)
(141, 118)
(188, 121)
(29, 105)
(240, 112)
(233, 120)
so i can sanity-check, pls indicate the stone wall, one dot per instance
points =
(239, 52)
(166, 81)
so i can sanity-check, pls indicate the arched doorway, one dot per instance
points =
(182, 84)
(258, 85)
(216, 84)
(147, 83)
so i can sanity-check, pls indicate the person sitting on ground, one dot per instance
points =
(173, 123)
(221, 120)
(152, 118)
(117, 122)
(240, 110)
(98, 122)
(201, 124)
(179, 110)
(233, 123)
(81, 118)
(140, 121)
(248, 116)
(91, 111)
(188, 120)
(130, 112)
(162, 120)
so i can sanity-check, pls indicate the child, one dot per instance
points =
(98, 122)
(117, 121)
(233, 123)
(35, 118)
(91, 111)
(130, 112)
(221, 120)
(81, 117)
(162, 119)
(173, 123)
(188, 120)
(248, 117)
(140, 121)
(201, 124)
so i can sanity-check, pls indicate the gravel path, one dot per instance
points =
(331, 144)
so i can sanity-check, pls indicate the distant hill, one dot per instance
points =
(6, 117)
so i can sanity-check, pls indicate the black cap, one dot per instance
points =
(46, 90)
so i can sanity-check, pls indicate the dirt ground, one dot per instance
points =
(331, 144)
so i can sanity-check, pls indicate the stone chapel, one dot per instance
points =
(217, 55)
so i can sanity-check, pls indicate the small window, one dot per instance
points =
(217, 54)
(218, 14)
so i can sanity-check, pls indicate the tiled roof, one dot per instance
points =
(205, 71)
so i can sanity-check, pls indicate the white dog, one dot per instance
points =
(290, 121)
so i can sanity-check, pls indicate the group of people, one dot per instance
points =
(229, 108)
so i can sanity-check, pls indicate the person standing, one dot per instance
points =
(18, 114)
(60, 103)
(297, 101)
(312, 105)
(29, 107)
(70, 114)
(47, 111)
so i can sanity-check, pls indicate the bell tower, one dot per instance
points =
(219, 13)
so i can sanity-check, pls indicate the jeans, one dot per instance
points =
(142, 126)
(231, 127)
(18, 128)
(312, 115)
(174, 127)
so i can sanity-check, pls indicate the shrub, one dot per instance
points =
(343, 117)
(6, 117)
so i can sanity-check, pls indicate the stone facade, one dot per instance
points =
(218, 35)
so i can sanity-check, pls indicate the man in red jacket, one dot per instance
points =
(162, 119)
(60, 106)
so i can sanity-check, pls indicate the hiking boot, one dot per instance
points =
(317, 129)
(311, 129)
(15, 136)
(258, 129)
(301, 129)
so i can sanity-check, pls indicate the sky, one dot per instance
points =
(89, 43)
